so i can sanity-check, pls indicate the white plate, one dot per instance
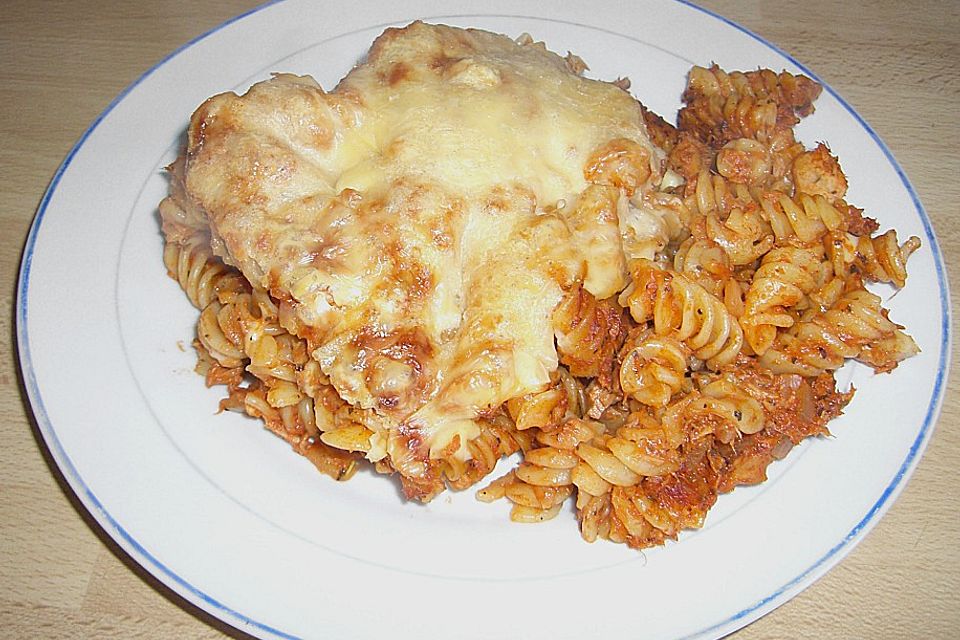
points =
(231, 519)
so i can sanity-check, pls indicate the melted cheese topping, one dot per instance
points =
(423, 220)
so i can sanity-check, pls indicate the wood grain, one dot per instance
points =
(897, 63)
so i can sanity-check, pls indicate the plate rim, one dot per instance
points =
(211, 605)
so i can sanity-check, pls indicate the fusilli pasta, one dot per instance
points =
(719, 284)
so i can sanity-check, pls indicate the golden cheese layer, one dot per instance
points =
(421, 222)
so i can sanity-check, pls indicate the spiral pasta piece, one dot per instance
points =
(498, 438)
(712, 193)
(681, 308)
(856, 326)
(201, 275)
(704, 262)
(718, 119)
(213, 372)
(883, 259)
(807, 218)
(744, 235)
(785, 277)
(736, 409)
(223, 346)
(653, 370)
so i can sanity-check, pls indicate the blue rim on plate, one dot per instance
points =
(236, 618)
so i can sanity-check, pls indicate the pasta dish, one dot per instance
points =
(469, 250)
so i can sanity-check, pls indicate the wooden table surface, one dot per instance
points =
(61, 63)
